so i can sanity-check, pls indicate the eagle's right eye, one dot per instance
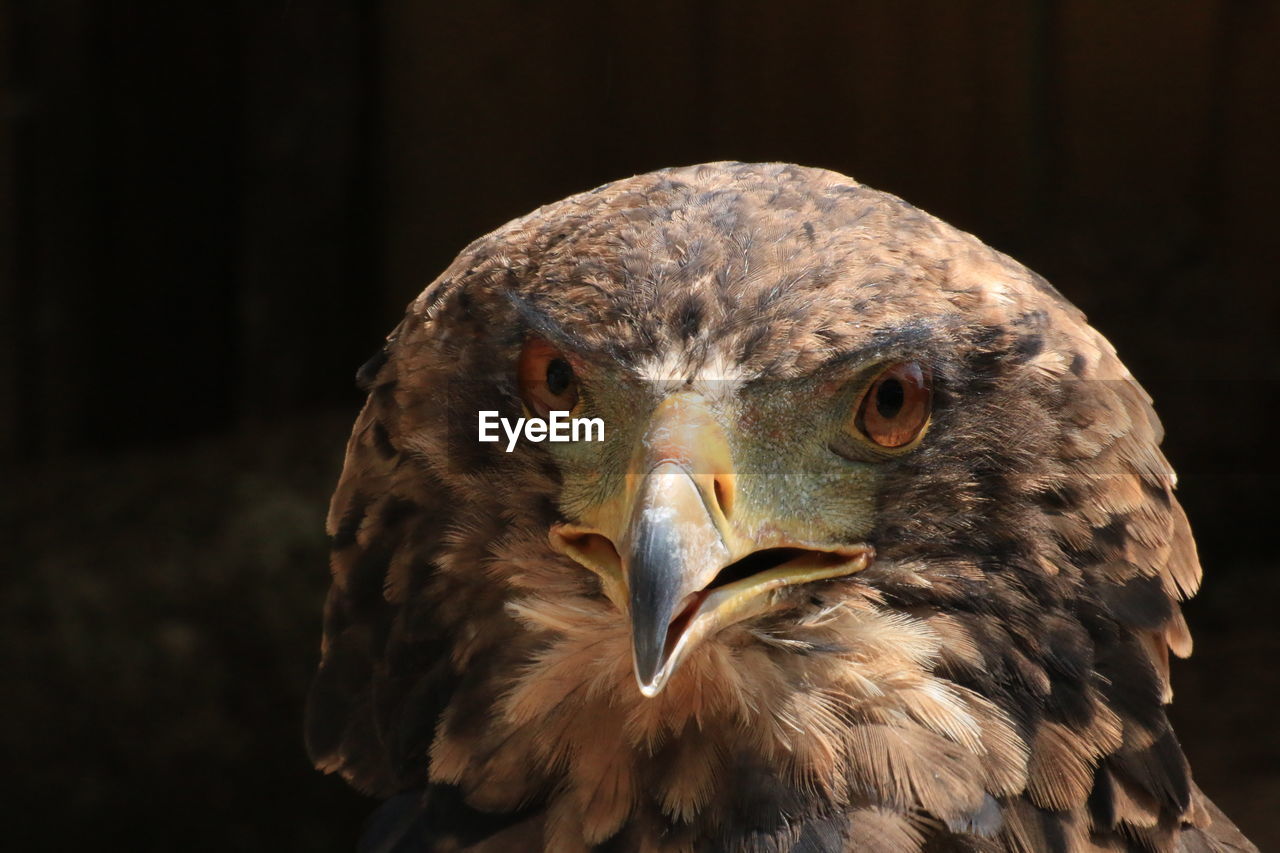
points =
(546, 379)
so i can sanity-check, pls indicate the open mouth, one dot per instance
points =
(675, 554)
(760, 561)
(749, 566)
(748, 587)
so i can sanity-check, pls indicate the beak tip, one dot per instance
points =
(649, 678)
(651, 687)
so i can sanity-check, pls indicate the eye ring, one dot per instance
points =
(894, 409)
(546, 379)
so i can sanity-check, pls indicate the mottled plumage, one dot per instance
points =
(993, 678)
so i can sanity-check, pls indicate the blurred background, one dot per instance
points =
(211, 213)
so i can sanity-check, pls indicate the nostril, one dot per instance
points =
(724, 495)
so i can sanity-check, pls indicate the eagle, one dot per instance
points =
(876, 551)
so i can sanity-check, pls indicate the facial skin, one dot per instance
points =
(712, 500)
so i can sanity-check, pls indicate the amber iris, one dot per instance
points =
(546, 379)
(895, 408)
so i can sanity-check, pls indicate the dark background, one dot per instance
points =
(210, 213)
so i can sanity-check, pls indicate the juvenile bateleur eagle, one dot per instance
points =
(878, 551)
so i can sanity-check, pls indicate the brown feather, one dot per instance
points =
(994, 681)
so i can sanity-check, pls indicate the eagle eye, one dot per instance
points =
(546, 379)
(895, 407)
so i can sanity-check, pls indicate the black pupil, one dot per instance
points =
(559, 376)
(889, 398)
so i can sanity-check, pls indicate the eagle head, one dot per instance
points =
(867, 542)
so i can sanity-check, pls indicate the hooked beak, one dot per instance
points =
(672, 552)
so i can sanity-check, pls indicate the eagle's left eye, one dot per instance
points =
(895, 408)
(546, 378)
